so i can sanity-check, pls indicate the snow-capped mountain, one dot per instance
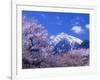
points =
(64, 42)
(69, 38)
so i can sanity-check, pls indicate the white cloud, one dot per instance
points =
(77, 20)
(52, 37)
(77, 29)
(58, 21)
(87, 26)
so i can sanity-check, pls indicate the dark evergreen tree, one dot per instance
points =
(85, 44)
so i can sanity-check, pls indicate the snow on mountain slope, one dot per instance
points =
(70, 39)
(64, 42)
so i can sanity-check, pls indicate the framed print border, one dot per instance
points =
(16, 71)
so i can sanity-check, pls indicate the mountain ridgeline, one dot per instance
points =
(63, 43)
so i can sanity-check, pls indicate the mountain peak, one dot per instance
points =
(64, 42)
(69, 38)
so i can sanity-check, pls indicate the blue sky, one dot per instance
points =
(75, 24)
